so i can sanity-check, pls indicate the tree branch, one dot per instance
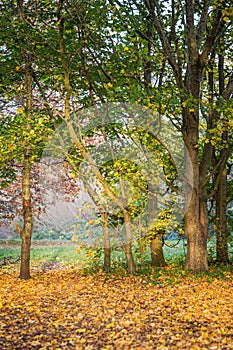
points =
(202, 23)
(209, 43)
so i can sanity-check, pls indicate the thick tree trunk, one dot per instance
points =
(128, 244)
(157, 257)
(156, 245)
(221, 220)
(196, 220)
(196, 259)
(27, 216)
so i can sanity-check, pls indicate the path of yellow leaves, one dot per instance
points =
(65, 310)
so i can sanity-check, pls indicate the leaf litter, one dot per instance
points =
(64, 309)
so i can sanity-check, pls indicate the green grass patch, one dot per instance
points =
(44, 251)
(66, 254)
(9, 252)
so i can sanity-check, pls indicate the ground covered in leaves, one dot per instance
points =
(63, 309)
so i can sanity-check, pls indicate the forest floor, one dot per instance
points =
(65, 309)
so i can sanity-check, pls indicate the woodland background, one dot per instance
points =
(104, 256)
(173, 58)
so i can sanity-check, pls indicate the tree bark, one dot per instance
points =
(107, 243)
(128, 244)
(156, 245)
(26, 233)
(27, 216)
(196, 233)
(157, 257)
(196, 219)
(221, 194)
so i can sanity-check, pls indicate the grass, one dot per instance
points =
(43, 251)
(66, 254)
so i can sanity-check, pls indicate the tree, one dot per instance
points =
(186, 36)
(150, 52)
(24, 125)
(69, 96)
(223, 106)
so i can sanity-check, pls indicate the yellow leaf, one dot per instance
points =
(188, 317)
(110, 325)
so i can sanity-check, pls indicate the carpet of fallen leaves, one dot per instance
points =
(64, 309)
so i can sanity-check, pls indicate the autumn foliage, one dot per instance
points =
(64, 309)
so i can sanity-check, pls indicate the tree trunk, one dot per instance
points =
(25, 258)
(196, 258)
(157, 257)
(221, 195)
(26, 174)
(221, 220)
(107, 259)
(107, 243)
(196, 220)
(128, 244)
(27, 216)
(156, 245)
(195, 215)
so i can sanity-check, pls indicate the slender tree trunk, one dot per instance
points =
(128, 244)
(221, 195)
(221, 220)
(107, 243)
(26, 173)
(88, 157)
(156, 245)
(27, 215)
